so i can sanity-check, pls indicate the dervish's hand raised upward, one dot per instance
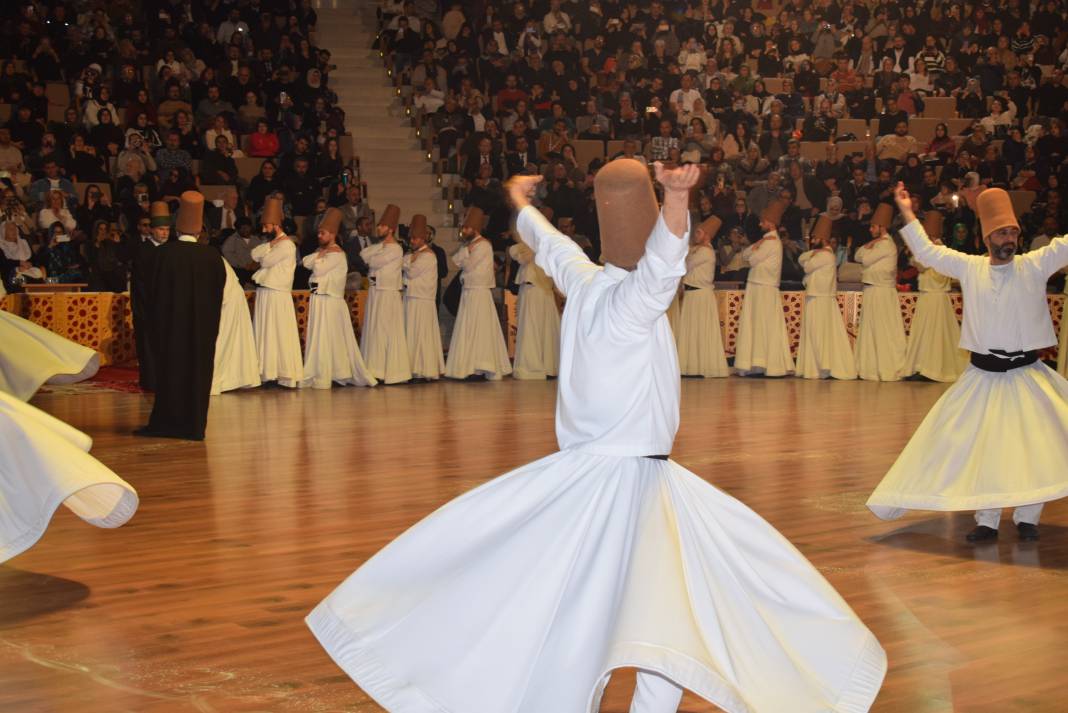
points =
(904, 202)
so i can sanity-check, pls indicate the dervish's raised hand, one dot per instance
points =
(677, 180)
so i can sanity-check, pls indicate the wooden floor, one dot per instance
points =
(197, 604)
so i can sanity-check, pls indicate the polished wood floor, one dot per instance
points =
(197, 604)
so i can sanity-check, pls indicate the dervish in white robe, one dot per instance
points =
(477, 346)
(698, 334)
(1062, 350)
(237, 365)
(763, 344)
(382, 340)
(824, 350)
(933, 349)
(331, 354)
(275, 320)
(999, 436)
(880, 348)
(421, 328)
(537, 342)
(525, 594)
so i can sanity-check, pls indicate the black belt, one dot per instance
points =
(999, 361)
(656, 457)
(690, 287)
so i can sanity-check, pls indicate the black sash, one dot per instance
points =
(999, 361)
(690, 287)
(656, 457)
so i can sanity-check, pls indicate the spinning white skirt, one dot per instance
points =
(824, 350)
(45, 463)
(525, 594)
(423, 334)
(31, 355)
(383, 342)
(1062, 350)
(331, 352)
(698, 337)
(477, 345)
(537, 345)
(880, 349)
(762, 345)
(933, 341)
(277, 339)
(236, 363)
(993, 440)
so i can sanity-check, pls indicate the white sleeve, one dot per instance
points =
(478, 255)
(418, 268)
(644, 295)
(946, 261)
(555, 253)
(309, 261)
(697, 258)
(278, 253)
(756, 254)
(461, 256)
(1052, 257)
(259, 251)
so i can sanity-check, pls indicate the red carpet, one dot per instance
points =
(122, 379)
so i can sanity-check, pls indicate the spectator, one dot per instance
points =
(212, 106)
(263, 184)
(95, 206)
(264, 142)
(173, 104)
(63, 257)
(172, 155)
(218, 167)
(250, 112)
(56, 211)
(84, 164)
(52, 181)
(942, 146)
(11, 161)
(135, 148)
(108, 261)
(302, 189)
(329, 163)
(106, 136)
(100, 101)
(143, 127)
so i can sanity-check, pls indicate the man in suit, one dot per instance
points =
(221, 215)
(522, 157)
(901, 55)
(858, 187)
(891, 116)
(483, 155)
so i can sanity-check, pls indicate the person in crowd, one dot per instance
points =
(698, 336)
(881, 346)
(537, 342)
(274, 320)
(382, 339)
(421, 329)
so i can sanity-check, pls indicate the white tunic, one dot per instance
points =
(763, 344)
(525, 594)
(331, 354)
(994, 439)
(824, 350)
(537, 346)
(421, 327)
(698, 334)
(382, 340)
(236, 363)
(880, 348)
(45, 463)
(275, 320)
(477, 345)
(1062, 350)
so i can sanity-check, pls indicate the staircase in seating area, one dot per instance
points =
(393, 163)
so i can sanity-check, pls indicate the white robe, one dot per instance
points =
(236, 364)
(698, 335)
(477, 345)
(525, 594)
(933, 341)
(1062, 349)
(30, 355)
(275, 320)
(880, 348)
(763, 344)
(537, 342)
(994, 439)
(331, 354)
(421, 328)
(824, 350)
(382, 341)
(45, 463)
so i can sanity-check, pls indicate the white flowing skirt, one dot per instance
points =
(277, 338)
(1062, 350)
(537, 344)
(423, 333)
(477, 345)
(523, 595)
(825, 350)
(383, 343)
(331, 353)
(698, 337)
(236, 364)
(993, 440)
(30, 355)
(880, 349)
(763, 345)
(933, 343)
(45, 463)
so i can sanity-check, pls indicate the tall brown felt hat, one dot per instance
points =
(821, 231)
(995, 211)
(475, 219)
(773, 213)
(390, 217)
(190, 214)
(331, 222)
(159, 214)
(932, 224)
(710, 226)
(417, 228)
(626, 210)
(272, 212)
(883, 215)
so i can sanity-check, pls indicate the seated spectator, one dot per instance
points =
(13, 211)
(84, 164)
(220, 127)
(263, 143)
(175, 182)
(135, 148)
(302, 188)
(12, 162)
(141, 125)
(263, 184)
(970, 102)
(106, 136)
(108, 260)
(133, 174)
(26, 132)
(172, 155)
(753, 169)
(63, 257)
(329, 163)
(891, 116)
(190, 137)
(211, 106)
(822, 125)
(100, 101)
(218, 167)
(173, 104)
(237, 248)
(250, 112)
(141, 104)
(52, 181)
(697, 145)
(16, 266)
(56, 211)
(95, 206)
(1002, 116)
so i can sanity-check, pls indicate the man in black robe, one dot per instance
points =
(184, 307)
(146, 255)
